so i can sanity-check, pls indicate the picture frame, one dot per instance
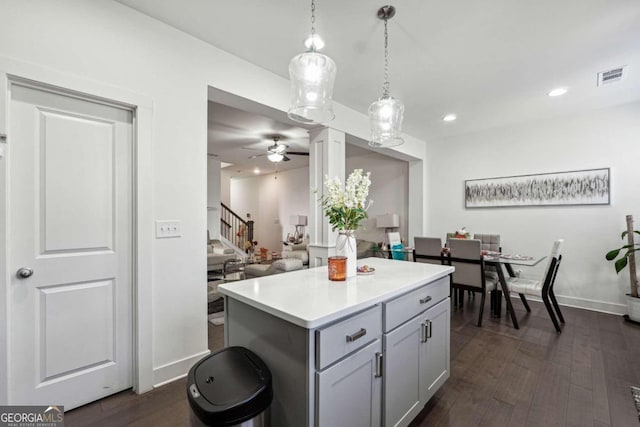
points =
(581, 187)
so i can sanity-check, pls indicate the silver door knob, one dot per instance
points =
(24, 272)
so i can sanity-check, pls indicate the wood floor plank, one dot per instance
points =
(579, 407)
(500, 376)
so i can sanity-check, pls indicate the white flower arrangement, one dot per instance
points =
(347, 207)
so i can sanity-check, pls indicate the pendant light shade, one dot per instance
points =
(312, 76)
(386, 114)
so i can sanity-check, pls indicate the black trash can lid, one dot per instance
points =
(229, 387)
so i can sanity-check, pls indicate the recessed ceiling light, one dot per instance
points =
(449, 117)
(559, 91)
(256, 171)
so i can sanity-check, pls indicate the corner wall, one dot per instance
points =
(602, 138)
(271, 199)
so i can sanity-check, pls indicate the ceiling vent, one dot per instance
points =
(611, 76)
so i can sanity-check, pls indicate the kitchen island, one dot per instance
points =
(368, 351)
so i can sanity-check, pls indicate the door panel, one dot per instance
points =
(402, 373)
(78, 213)
(70, 220)
(349, 393)
(435, 352)
(92, 302)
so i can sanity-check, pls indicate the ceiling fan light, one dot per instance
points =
(275, 157)
(312, 76)
(385, 116)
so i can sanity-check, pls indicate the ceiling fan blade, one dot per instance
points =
(285, 158)
(298, 153)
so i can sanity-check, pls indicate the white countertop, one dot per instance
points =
(309, 299)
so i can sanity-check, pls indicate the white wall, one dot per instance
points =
(109, 43)
(213, 197)
(388, 191)
(271, 199)
(603, 138)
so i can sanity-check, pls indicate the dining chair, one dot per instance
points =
(466, 256)
(489, 242)
(542, 288)
(427, 249)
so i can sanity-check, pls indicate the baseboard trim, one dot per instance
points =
(175, 370)
(587, 304)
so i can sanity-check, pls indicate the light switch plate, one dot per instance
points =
(168, 228)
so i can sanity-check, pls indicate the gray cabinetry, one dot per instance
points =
(349, 393)
(435, 351)
(416, 353)
(348, 353)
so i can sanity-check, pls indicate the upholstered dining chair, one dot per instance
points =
(543, 287)
(489, 242)
(427, 249)
(466, 256)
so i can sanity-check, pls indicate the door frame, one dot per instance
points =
(142, 218)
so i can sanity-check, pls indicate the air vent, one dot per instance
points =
(611, 76)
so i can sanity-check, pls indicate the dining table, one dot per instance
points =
(498, 260)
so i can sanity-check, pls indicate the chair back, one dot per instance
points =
(427, 249)
(551, 270)
(465, 256)
(489, 242)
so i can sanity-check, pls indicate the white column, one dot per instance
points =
(326, 157)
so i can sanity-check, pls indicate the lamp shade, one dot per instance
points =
(312, 75)
(387, 221)
(298, 220)
(386, 116)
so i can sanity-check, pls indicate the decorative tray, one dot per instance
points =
(365, 270)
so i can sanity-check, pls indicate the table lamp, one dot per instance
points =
(299, 221)
(388, 222)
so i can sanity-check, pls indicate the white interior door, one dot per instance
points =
(70, 222)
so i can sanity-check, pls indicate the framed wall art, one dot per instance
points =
(584, 187)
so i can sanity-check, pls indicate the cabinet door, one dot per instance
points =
(401, 373)
(435, 351)
(349, 392)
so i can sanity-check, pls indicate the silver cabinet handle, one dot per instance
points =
(425, 330)
(425, 300)
(378, 365)
(24, 272)
(362, 332)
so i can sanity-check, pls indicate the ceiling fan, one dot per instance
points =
(278, 152)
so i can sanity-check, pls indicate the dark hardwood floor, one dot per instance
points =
(499, 376)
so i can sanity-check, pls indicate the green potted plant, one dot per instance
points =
(628, 258)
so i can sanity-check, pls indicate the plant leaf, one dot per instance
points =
(620, 264)
(611, 255)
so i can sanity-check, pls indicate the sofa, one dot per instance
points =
(297, 251)
(217, 254)
(278, 266)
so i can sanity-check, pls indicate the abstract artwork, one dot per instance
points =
(585, 187)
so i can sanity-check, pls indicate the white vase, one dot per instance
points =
(346, 246)
(633, 308)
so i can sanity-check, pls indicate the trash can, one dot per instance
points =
(231, 387)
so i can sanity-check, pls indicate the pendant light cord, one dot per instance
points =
(385, 85)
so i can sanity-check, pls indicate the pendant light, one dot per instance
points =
(312, 75)
(386, 113)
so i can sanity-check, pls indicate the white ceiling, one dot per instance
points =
(490, 62)
(241, 138)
